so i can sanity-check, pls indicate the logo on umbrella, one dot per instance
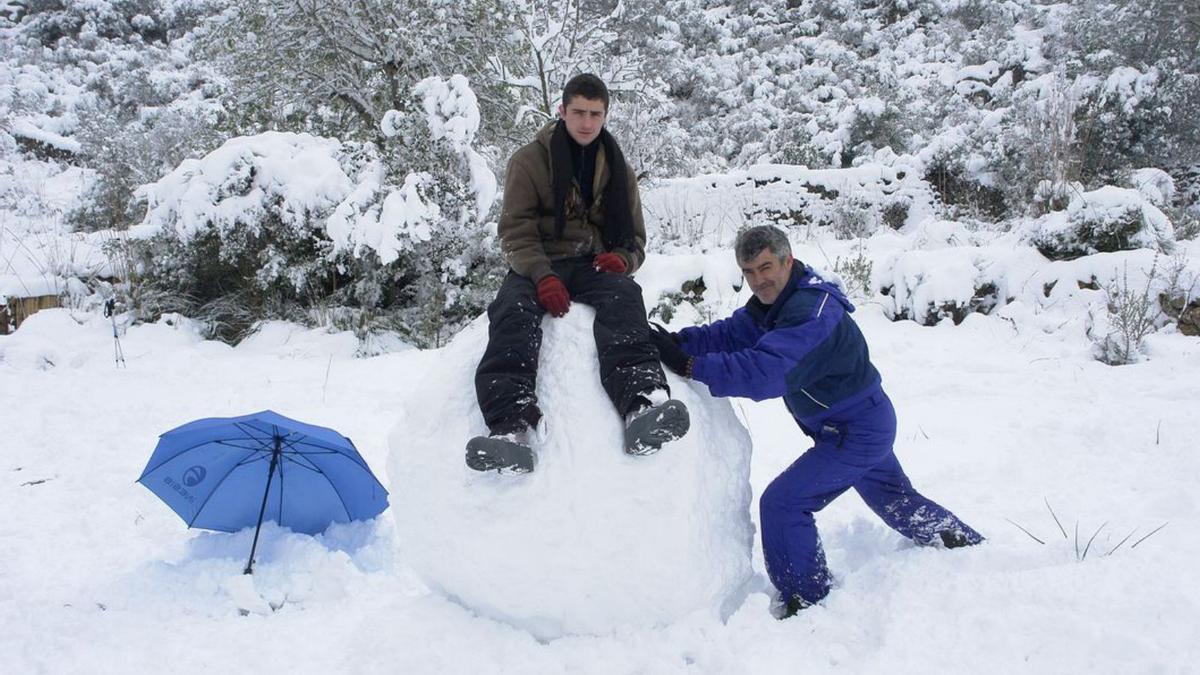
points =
(194, 476)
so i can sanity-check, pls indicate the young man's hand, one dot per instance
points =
(553, 295)
(609, 262)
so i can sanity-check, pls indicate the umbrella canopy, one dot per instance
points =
(228, 473)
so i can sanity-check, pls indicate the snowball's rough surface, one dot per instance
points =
(593, 539)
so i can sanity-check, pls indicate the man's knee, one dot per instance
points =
(515, 301)
(785, 496)
(792, 495)
(614, 289)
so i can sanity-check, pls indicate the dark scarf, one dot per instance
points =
(618, 219)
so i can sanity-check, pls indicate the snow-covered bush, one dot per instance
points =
(855, 272)
(129, 153)
(1043, 155)
(1155, 185)
(962, 189)
(1143, 68)
(930, 286)
(1179, 296)
(1118, 337)
(285, 225)
(709, 209)
(855, 216)
(1104, 220)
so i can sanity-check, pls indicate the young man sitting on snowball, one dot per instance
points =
(571, 229)
(795, 339)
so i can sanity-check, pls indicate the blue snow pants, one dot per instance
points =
(853, 449)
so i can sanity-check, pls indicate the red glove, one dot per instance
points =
(552, 295)
(609, 262)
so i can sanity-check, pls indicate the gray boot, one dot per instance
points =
(504, 453)
(646, 430)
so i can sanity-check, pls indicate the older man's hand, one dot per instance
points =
(669, 351)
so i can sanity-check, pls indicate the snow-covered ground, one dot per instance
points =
(997, 417)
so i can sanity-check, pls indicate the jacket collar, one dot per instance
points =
(802, 277)
(765, 315)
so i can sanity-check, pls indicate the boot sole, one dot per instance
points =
(646, 434)
(496, 454)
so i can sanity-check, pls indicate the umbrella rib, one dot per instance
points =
(240, 447)
(250, 431)
(308, 467)
(246, 429)
(302, 440)
(360, 463)
(220, 441)
(212, 492)
(336, 451)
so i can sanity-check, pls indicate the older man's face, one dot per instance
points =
(584, 118)
(767, 274)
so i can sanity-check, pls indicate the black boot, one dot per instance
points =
(785, 609)
(954, 539)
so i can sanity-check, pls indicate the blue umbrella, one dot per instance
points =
(228, 473)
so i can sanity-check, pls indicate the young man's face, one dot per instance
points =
(584, 118)
(767, 274)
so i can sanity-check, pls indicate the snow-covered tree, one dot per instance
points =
(339, 67)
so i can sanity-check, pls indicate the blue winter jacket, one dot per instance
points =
(803, 347)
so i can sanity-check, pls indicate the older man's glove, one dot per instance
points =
(669, 351)
(553, 295)
(609, 262)
(662, 330)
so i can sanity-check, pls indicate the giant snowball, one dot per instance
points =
(593, 539)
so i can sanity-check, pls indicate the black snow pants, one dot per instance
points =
(506, 377)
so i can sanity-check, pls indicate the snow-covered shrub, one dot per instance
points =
(128, 153)
(1179, 296)
(1043, 152)
(1104, 220)
(855, 272)
(1155, 185)
(929, 286)
(1140, 61)
(89, 22)
(284, 225)
(962, 189)
(855, 216)
(691, 291)
(1118, 337)
(878, 124)
(895, 211)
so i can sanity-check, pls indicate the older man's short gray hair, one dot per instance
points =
(754, 240)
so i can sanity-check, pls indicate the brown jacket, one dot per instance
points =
(527, 220)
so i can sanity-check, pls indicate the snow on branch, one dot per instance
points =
(452, 112)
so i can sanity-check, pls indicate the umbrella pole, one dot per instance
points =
(263, 509)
